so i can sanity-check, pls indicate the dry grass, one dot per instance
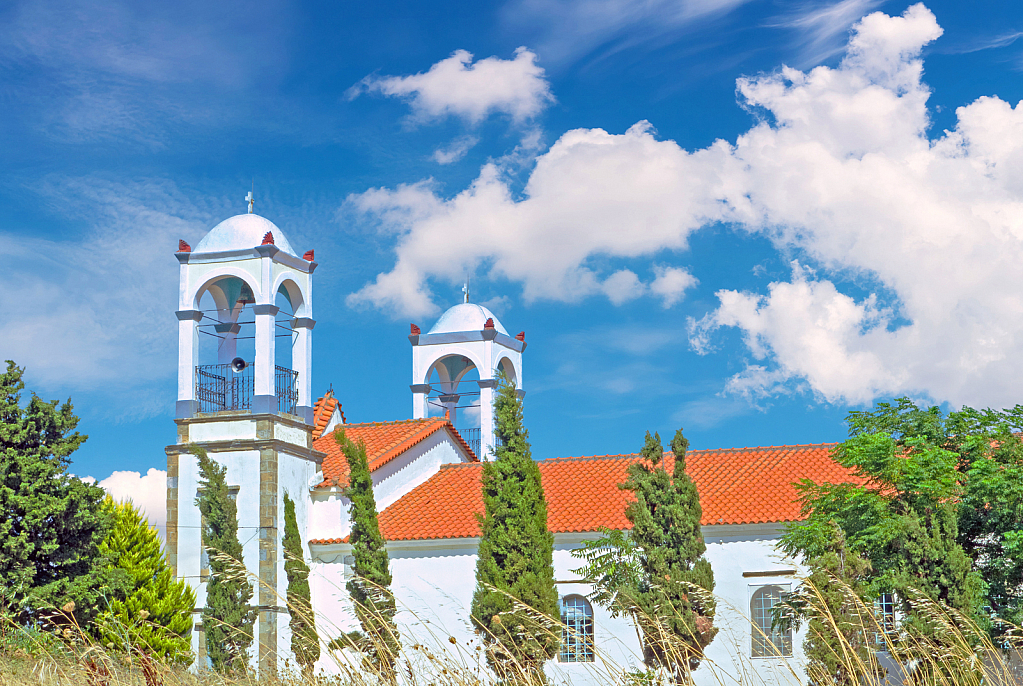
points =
(959, 655)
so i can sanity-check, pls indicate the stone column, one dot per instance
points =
(269, 541)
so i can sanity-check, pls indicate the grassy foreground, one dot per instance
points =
(959, 654)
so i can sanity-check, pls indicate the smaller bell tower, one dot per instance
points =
(455, 366)
(245, 323)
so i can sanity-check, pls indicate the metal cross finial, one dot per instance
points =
(465, 290)
(251, 200)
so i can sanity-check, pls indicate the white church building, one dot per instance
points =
(245, 394)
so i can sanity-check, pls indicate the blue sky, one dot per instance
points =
(740, 217)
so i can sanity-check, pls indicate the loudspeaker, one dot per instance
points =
(238, 364)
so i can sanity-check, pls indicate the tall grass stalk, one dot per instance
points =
(57, 651)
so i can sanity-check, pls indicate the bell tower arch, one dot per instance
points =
(244, 394)
(455, 367)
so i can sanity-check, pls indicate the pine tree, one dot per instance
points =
(304, 642)
(228, 617)
(155, 612)
(369, 588)
(51, 522)
(515, 606)
(674, 605)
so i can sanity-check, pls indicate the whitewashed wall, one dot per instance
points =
(434, 583)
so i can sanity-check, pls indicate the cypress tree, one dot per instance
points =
(154, 614)
(674, 605)
(51, 522)
(228, 617)
(369, 588)
(515, 599)
(304, 642)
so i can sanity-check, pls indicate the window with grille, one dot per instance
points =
(769, 640)
(577, 630)
(884, 613)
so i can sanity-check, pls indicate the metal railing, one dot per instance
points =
(286, 383)
(219, 389)
(473, 437)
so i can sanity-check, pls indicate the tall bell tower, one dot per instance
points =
(455, 366)
(245, 323)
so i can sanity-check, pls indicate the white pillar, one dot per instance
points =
(487, 389)
(264, 398)
(302, 361)
(188, 351)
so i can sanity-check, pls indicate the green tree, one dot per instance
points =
(228, 617)
(914, 466)
(515, 599)
(304, 642)
(51, 522)
(673, 600)
(369, 588)
(837, 603)
(154, 614)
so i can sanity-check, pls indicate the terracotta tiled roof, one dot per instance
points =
(736, 486)
(323, 410)
(384, 442)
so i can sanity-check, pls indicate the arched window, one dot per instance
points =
(769, 640)
(577, 630)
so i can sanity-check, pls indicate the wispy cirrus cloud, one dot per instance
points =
(119, 70)
(567, 30)
(821, 30)
(90, 311)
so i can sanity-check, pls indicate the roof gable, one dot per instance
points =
(736, 486)
(384, 442)
(327, 413)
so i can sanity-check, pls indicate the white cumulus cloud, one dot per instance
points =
(841, 172)
(458, 87)
(147, 493)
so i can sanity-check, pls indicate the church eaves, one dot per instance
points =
(736, 486)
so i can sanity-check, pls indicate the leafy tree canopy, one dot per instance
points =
(51, 522)
(939, 508)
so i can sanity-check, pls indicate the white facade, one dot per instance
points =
(268, 449)
(434, 581)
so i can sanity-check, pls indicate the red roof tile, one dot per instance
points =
(384, 441)
(736, 486)
(323, 410)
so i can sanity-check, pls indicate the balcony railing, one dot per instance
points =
(219, 389)
(474, 437)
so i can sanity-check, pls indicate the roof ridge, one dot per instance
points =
(395, 422)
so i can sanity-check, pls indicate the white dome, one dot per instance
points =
(465, 317)
(241, 232)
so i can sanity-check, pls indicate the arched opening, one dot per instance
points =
(576, 630)
(769, 638)
(508, 368)
(455, 391)
(226, 353)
